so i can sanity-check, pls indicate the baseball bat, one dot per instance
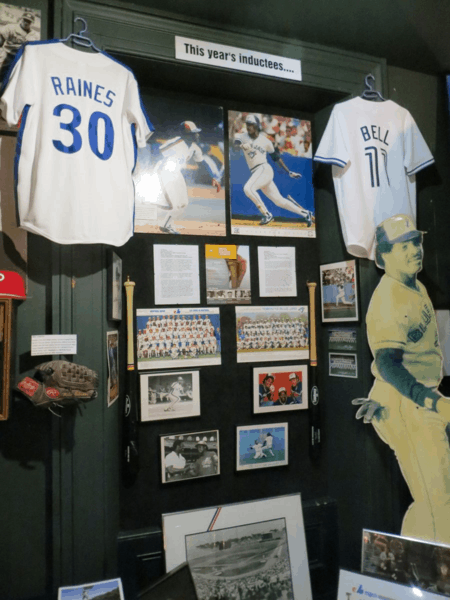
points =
(315, 440)
(130, 429)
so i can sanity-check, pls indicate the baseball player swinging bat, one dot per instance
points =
(130, 432)
(314, 406)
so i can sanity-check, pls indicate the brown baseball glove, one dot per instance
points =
(237, 268)
(60, 383)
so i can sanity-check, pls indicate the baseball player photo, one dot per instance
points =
(339, 292)
(270, 176)
(178, 178)
(259, 447)
(277, 389)
(190, 455)
(227, 277)
(404, 405)
(17, 26)
(111, 588)
(169, 395)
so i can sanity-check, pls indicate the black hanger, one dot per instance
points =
(79, 38)
(370, 93)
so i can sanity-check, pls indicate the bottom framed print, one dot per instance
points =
(248, 549)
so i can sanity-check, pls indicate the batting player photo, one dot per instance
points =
(404, 406)
(272, 180)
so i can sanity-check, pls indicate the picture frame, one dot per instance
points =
(169, 395)
(261, 446)
(191, 455)
(339, 292)
(276, 390)
(409, 561)
(176, 585)
(354, 585)
(112, 345)
(115, 287)
(178, 526)
(343, 364)
(88, 591)
(5, 355)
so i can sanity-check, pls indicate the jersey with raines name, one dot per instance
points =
(375, 149)
(82, 118)
(257, 150)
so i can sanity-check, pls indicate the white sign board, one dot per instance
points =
(42, 345)
(238, 59)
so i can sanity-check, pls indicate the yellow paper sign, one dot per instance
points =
(217, 251)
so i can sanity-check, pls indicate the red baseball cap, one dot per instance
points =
(12, 285)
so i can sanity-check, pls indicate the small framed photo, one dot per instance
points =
(190, 455)
(173, 395)
(278, 389)
(115, 287)
(112, 342)
(339, 292)
(343, 365)
(110, 588)
(261, 446)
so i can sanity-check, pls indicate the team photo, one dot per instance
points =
(270, 175)
(178, 178)
(248, 562)
(170, 395)
(189, 455)
(169, 338)
(259, 446)
(339, 292)
(265, 333)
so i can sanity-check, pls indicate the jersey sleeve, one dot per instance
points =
(417, 153)
(20, 86)
(332, 149)
(136, 113)
(387, 324)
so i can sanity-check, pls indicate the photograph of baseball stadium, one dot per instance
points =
(271, 175)
(179, 187)
(249, 562)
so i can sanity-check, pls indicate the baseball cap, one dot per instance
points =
(201, 443)
(399, 228)
(282, 389)
(12, 285)
(270, 375)
(253, 120)
(292, 376)
(28, 16)
(190, 127)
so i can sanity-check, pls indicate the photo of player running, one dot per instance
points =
(190, 455)
(259, 446)
(169, 395)
(270, 175)
(279, 389)
(178, 178)
(339, 292)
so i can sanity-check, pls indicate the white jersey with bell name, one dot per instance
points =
(255, 150)
(375, 149)
(81, 119)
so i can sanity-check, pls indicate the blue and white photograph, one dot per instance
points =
(174, 338)
(110, 589)
(339, 292)
(261, 446)
(271, 185)
(247, 561)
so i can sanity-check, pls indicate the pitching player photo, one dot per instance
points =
(179, 187)
(259, 447)
(227, 278)
(17, 26)
(339, 292)
(169, 395)
(404, 406)
(270, 175)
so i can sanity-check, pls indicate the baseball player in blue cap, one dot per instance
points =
(404, 406)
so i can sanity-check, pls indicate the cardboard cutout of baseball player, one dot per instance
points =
(404, 406)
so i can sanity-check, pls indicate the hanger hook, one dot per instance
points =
(366, 81)
(84, 23)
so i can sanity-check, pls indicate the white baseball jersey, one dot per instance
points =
(375, 149)
(81, 120)
(255, 151)
(177, 149)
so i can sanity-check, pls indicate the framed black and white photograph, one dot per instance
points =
(343, 365)
(115, 287)
(112, 342)
(110, 588)
(190, 455)
(338, 284)
(261, 446)
(176, 585)
(246, 546)
(173, 395)
(279, 389)
(18, 24)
